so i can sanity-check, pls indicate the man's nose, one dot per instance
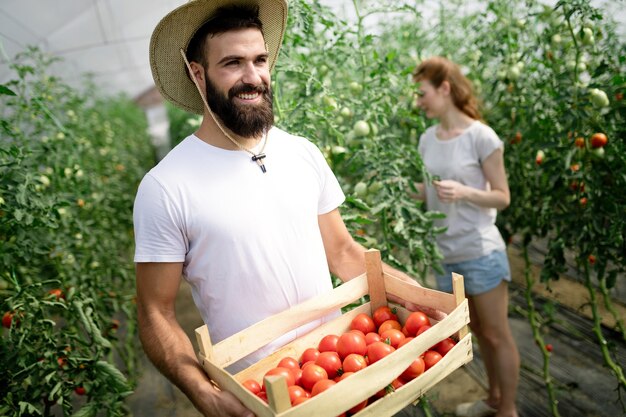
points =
(251, 74)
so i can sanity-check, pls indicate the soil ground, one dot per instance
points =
(585, 387)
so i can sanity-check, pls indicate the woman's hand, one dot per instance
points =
(450, 191)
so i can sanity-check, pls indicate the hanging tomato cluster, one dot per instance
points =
(336, 357)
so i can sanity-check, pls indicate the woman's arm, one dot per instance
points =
(497, 197)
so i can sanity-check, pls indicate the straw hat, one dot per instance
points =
(174, 32)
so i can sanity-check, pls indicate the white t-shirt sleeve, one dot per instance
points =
(159, 233)
(331, 195)
(487, 141)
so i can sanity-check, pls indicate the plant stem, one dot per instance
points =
(535, 326)
(597, 329)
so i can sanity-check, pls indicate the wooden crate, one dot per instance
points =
(363, 384)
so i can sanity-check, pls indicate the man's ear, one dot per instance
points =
(197, 72)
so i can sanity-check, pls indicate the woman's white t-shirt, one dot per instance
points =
(249, 241)
(471, 230)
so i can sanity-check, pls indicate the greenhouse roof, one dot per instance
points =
(106, 38)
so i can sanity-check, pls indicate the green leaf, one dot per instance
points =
(116, 378)
(4, 90)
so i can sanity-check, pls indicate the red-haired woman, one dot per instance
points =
(469, 184)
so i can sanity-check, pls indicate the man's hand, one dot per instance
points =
(222, 404)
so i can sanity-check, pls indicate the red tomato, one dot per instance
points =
(371, 338)
(395, 384)
(358, 407)
(343, 376)
(297, 375)
(328, 343)
(321, 386)
(422, 330)
(289, 363)
(382, 314)
(309, 354)
(394, 336)
(351, 342)
(311, 374)
(378, 350)
(415, 321)
(405, 341)
(389, 324)
(305, 364)
(598, 140)
(364, 323)
(330, 361)
(7, 319)
(296, 392)
(405, 331)
(354, 363)
(431, 357)
(80, 390)
(299, 400)
(415, 369)
(252, 386)
(262, 395)
(57, 292)
(291, 380)
(356, 331)
(549, 347)
(445, 345)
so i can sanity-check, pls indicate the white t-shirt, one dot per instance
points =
(249, 241)
(471, 231)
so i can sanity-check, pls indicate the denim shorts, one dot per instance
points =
(480, 275)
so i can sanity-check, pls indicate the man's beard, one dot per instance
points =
(244, 120)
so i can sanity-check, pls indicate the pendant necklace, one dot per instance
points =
(256, 157)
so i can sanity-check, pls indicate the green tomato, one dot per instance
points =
(361, 128)
(338, 150)
(598, 98)
(360, 189)
(598, 152)
(331, 102)
(587, 36)
(513, 73)
(346, 112)
(355, 87)
(556, 39)
(375, 187)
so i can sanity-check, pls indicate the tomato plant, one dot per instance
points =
(70, 161)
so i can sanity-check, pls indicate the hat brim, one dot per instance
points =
(175, 31)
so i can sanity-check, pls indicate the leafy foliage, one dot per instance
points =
(69, 166)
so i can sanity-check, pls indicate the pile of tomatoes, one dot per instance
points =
(336, 357)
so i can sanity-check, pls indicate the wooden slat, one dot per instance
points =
(226, 382)
(295, 348)
(460, 354)
(458, 289)
(277, 393)
(375, 280)
(204, 342)
(260, 334)
(415, 294)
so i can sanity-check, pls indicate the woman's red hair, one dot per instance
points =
(438, 69)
